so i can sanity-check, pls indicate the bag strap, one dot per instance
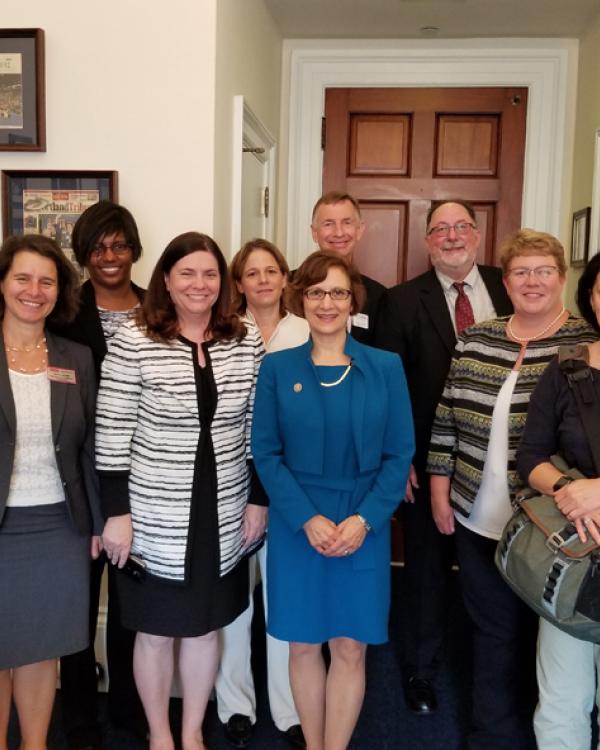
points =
(574, 361)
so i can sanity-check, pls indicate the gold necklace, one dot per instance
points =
(339, 380)
(525, 339)
(11, 351)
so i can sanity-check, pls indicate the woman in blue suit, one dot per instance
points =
(332, 442)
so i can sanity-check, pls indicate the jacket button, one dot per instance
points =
(57, 448)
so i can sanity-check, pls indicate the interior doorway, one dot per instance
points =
(254, 158)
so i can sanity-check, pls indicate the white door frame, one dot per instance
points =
(548, 67)
(249, 132)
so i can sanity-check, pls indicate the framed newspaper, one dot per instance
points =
(22, 91)
(51, 202)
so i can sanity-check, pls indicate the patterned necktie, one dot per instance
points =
(463, 312)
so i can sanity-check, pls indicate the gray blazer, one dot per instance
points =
(72, 411)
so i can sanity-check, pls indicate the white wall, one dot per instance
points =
(248, 47)
(587, 122)
(130, 87)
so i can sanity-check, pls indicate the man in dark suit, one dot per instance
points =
(106, 243)
(337, 225)
(420, 320)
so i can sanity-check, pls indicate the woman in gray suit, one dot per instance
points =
(49, 504)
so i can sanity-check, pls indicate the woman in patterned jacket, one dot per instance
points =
(476, 432)
(173, 422)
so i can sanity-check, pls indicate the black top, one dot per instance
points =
(554, 425)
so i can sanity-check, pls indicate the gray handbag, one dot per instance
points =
(540, 554)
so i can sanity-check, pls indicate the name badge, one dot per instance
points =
(62, 375)
(360, 320)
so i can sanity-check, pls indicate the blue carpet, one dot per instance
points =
(385, 723)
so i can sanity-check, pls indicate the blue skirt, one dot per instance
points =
(44, 585)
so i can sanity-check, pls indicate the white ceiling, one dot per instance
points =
(388, 19)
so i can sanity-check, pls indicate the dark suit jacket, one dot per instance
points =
(415, 322)
(72, 411)
(375, 292)
(86, 328)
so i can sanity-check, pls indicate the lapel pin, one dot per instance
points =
(297, 387)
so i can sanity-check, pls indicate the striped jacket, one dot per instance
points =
(147, 431)
(482, 360)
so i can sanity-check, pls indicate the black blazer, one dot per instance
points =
(86, 327)
(415, 322)
(72, 412)
(375, 292)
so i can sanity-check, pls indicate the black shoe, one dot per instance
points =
(420, 696)
(238, 730)
(84, 738)
(295, 737)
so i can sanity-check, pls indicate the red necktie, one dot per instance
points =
(463, 312)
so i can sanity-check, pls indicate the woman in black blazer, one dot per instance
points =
(49, 504)
(106, 243)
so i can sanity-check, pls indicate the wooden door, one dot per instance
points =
(396, 150)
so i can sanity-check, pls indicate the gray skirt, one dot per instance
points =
(44, 585)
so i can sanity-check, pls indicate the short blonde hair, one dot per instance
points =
(526, 242)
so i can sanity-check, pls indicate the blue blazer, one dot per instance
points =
(288, 434)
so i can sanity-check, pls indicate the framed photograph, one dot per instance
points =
(51, 202)
(22, 98)
(580, 239)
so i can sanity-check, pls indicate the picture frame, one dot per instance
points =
(48, 202)
(22, 90)
(580, 238)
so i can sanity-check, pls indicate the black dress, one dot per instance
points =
(205, 602)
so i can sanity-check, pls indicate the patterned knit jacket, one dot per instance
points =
(147, 431)
(482, 360)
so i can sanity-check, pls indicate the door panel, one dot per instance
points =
(396, 150)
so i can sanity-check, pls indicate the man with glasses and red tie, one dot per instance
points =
(106, 243)
(420, 319)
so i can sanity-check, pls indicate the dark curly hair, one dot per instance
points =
(67, 301)
(584, 291)
(104, 217)
(158, 316)
(314, 269)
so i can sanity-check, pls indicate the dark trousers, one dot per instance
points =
(78, 671)
(428, 561)
(504, 636)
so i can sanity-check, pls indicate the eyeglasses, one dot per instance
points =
(118, 248)
(543, 273)
(337, 294)
(443, 230)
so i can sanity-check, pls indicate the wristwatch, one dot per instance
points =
(364, 522)
(561, 482)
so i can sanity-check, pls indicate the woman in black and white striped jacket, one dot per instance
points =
(173, 418)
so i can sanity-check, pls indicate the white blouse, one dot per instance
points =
(35, 479)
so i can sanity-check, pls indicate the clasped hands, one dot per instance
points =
(335, 540)
(579, 501)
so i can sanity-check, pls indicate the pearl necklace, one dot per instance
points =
(11, 351)
(339, 380)
(525, 339)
